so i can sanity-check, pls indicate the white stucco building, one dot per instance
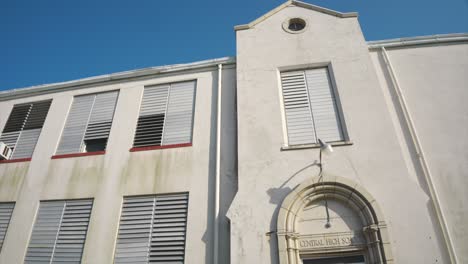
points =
(219, 161)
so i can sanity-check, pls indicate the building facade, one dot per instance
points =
(224, 161)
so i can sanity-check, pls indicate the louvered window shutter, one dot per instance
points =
(26, 143)
(152, 116)
(178, 126)
(6, 210)
(166, 115)
(15, 124)
(310, 107)
(37, 115)
(297, 108)
(323, 102)
(152, 229)
(100, 121)
(23, 128)
(75, 127)
(90, 118)
(17, 118)
(59, 232)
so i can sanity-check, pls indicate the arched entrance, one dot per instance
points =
(331, 221)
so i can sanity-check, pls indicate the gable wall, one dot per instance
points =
(267, 174)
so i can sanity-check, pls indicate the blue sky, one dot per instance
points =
(50, 41)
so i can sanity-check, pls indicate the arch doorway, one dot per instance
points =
(331, 221)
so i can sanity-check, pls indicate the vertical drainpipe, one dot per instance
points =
(422, 160)
(218, 169)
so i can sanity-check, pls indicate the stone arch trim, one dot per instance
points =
(344, 190)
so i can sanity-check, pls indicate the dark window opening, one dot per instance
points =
(149, 130)
(336, 260)
(296, 24)
(93, 145)
(17, 118)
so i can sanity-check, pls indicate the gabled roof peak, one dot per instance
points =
(296, 3)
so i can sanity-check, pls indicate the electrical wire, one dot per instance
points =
(320, 180)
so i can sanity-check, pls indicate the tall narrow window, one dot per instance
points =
(6, 210)
(310, 107)
(166, 115)
(88, 125)
(59, 232)
(152, 229)
(23, 128)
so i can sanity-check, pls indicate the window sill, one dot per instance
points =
(311, 146)
(74, 155)
(160, 147)
(15, 160)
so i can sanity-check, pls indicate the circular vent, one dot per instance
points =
(294, 25)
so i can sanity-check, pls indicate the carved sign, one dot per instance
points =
(330, 240)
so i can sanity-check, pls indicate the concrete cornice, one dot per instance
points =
(295, 3)
(103, 79)
(422, 40)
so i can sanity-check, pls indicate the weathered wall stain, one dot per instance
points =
(11, 178)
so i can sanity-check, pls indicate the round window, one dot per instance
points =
(294, 25)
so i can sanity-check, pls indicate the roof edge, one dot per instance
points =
(420, 40)
(100, 79)
(295, 3)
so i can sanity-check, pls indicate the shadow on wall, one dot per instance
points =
(228, 181)
(207, 238)
(277, 196)
(228, 167)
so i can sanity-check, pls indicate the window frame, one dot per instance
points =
(178, 145)
(61, 221)
(152, 229)
(32, 104)
(339, 107)
(83, 147)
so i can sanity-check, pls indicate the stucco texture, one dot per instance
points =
(267, 174)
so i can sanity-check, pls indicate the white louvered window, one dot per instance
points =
(166, 115)
(152, 229)
(310, 107)
(88, 124)
(6, 210)
(59, 232)
(23, 128)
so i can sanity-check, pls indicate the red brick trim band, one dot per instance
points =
(161, 147)
(74, 155)
(15, 160)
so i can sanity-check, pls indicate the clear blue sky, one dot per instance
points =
(46, 41)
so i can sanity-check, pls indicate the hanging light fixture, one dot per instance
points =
(325, 147)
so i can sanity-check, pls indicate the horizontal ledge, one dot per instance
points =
(160, 147)
(73, 155)
(15, 160)
(309, 146)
